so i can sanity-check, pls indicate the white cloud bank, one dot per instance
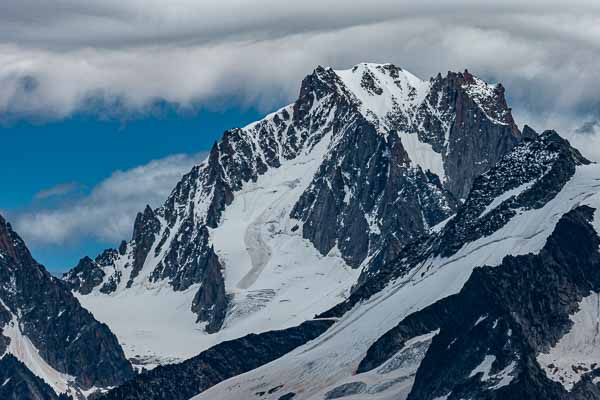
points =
(108, 211)
(55, 55)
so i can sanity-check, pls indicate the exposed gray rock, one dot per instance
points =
(145, 229)
(509, 314)
(369, 175)
(513, 312)
(547, 163)
(347, 389)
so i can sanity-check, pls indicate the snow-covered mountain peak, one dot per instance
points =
(382, 89)
(309, 190)
(385, 91)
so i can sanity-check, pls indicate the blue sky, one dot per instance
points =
(52, 164)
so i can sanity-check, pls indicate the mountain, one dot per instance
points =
(499, 302)
(49, 344)
(279, 221)
(383, 237)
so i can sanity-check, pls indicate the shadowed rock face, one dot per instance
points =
(20, 384)
(145, 228)
(85, 276)
(462, 118)
(66, 335)
(532, 297)
(482, 132)
(223, 361)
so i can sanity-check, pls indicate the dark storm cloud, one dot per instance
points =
(256, 52)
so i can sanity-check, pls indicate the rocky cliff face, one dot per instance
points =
(526, 178)
(364, 156)
(85, 276)
(512, 314)
(42, 324)
(400, 167)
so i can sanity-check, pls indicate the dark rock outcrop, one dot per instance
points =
(522, 296)
(85, 276)
(223, 361)
(89, 274)
(145, 229)
(356, 195)
(19, 383)
(210, 301)
(547, 163)
(483, 129)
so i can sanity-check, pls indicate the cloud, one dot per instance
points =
(54, 56)
(107, 212)
(58, 190)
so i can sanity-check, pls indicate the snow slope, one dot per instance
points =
(386, 93)
(330, 360)
(276, 279)
(263, 253)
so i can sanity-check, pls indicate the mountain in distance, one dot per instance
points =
(279, 221)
